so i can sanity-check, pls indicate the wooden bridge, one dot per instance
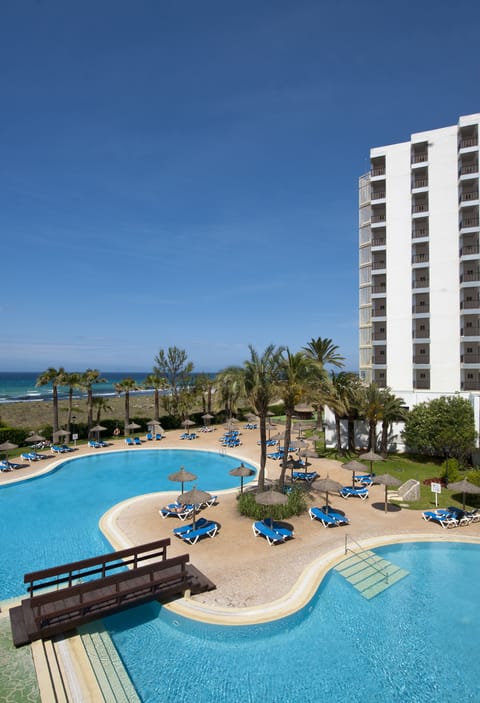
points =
(71, 600)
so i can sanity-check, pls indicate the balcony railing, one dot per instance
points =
(378, 195)
(420, 183)
(421, 334)
(421, 358)
(469, 168)
(421, 283)
(419, 157)
(423, 383)
(470, 358)
(379, 289)
(470, 304)
(471, 385)
(379, 337)
(419, 258)
(378, 265)
(379, 242)
(468, 195)
(420, 232)
(420, 207)
(469, 249)
(378, 312)
(467, 142)
(469, 222)
(379, 171)
(378, 218)
(473, 331)
(419, 309)
(468, 277)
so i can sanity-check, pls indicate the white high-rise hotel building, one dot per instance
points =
(420, 264)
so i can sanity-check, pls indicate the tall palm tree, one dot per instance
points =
(204, 386)
(372, 410)
(72, 381)
(292, 386)
(55, 377)
(229, 389)
(158, 383)
(322, 352)
(88, 378)
(102, 405)
(262, 374)
(126, 385)
(342, 399)
(393, 410)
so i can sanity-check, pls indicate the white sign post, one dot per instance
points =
(75, 437)
(437, 489)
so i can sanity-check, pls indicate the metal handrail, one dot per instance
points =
(364, 556)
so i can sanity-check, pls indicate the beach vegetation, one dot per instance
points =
(159, 383)
(229, 390)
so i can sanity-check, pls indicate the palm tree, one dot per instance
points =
(88, 378)
(261, 383)
(102, 405)
(372, 410)
(204, 386)
(72, 381)
(125, 386)
(322, 351)
(342, 399)
(292, 385)
(158, 383)
(393, 410)
(174, 365)
(55, 377)
(229, 389)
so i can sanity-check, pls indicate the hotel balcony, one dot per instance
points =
(419, 154)
(420, 228)
(380, 378)
(470, 326)
(379, 284)
(421, 329)
(378, 263)
(468, 137)
(421, 355)
(421, 308)
(380, 357)
(420, 254)
(419, 205)
(378, 215)
(470, 275)
(379, 308)
(471, 299)
(378, 194)
(470, 219)
(421, 278)
(377, 167)
(379, 241)
(473, 358)
(468, 166)
(469, 245)
(469, 196)
(471, 384)
(420, 179)
(421, 380)
(379, 332)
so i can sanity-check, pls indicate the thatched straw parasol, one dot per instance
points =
(326, 485)
(182, 476)
(464, 487)
(194, 497)
(387, 481)
(353, 466)
(241, 471)
(371, 457)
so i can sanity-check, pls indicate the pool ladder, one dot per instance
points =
(366, 556)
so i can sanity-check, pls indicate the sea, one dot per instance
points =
(20, 387)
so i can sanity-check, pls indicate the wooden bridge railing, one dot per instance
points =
(68, 574)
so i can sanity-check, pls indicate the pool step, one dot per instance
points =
(369, 573)
(112, 677)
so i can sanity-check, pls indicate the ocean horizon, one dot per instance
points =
(20, 386)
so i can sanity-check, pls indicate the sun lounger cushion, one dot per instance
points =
(348, 491)
(327, 519)
(192, 536)
(272, 531)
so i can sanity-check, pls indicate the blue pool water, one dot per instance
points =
(53, 519)
(416, 641)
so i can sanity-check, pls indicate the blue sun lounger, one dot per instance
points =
(348, 491)
(445, 518)
(340, 517)
(308, 476)
(129, 441)
(327, 519)
(202, 528)
(177, 510)
(272, 531)
(137, 441)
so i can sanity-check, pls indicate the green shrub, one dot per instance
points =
(451, 470)
(296, 505)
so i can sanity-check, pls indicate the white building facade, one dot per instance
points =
(419, 260)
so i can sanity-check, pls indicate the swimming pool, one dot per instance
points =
(53, 519)
(416, 641)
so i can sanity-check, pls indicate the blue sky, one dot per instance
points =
(185, 173)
